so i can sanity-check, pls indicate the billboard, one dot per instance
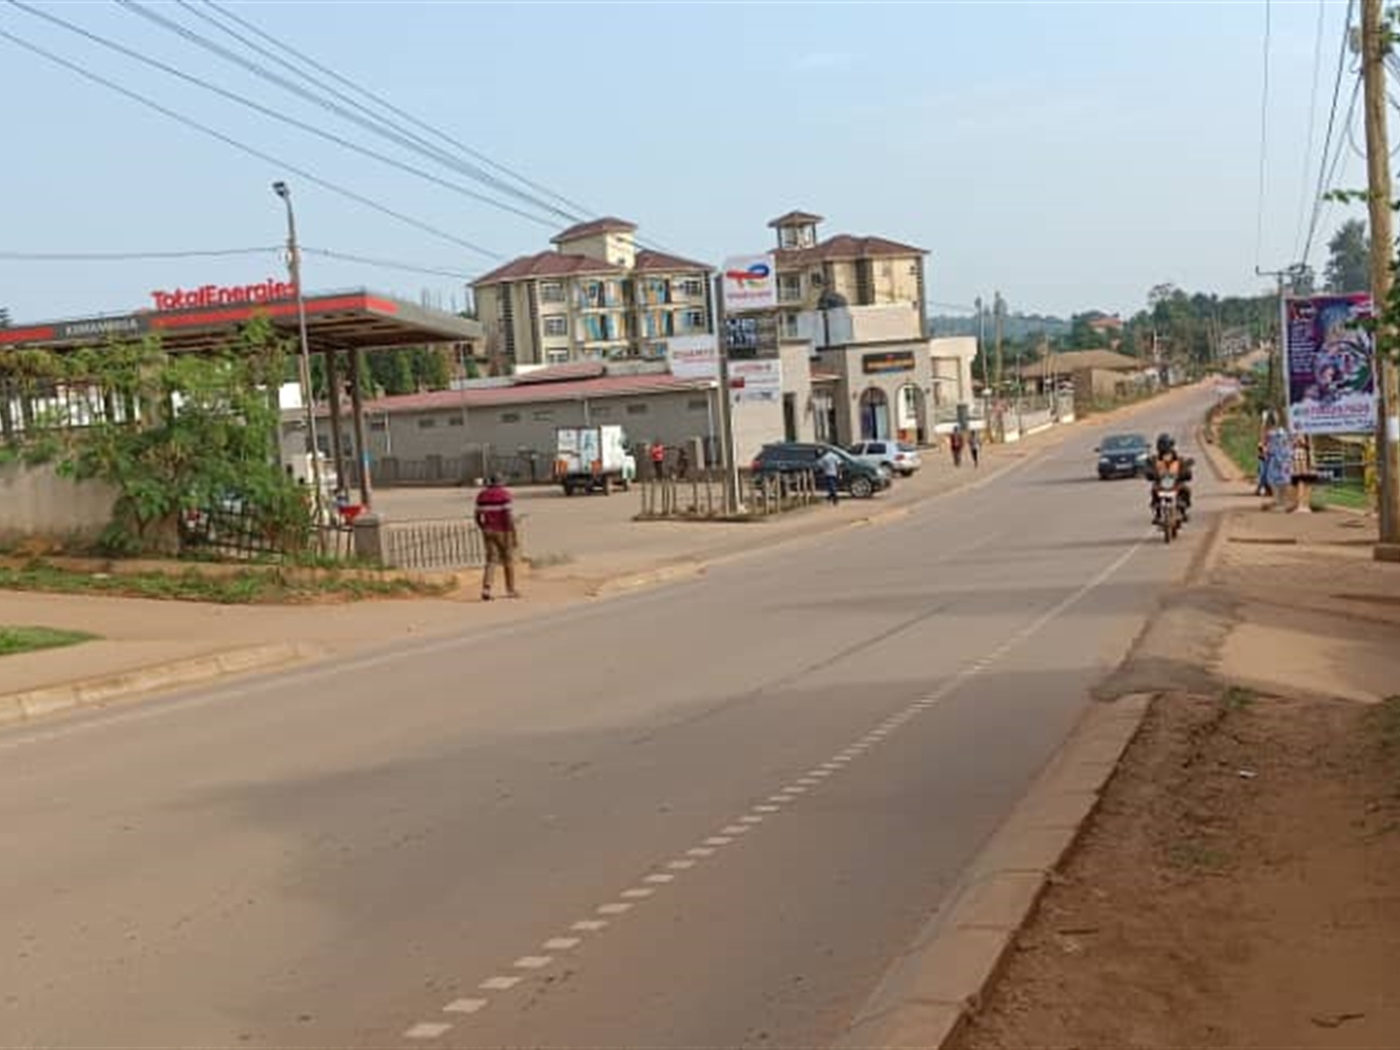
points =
(1329, 359)
(756, 380)
(753, 336)
(693, 356)
(750, 283)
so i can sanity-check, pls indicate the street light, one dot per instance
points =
(294, 267)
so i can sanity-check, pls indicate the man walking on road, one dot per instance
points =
(829, 466)
(955, 442)
(974, 446)
(496, 519)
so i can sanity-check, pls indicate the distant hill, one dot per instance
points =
(1014, 326)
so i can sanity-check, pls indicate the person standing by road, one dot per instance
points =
(955, 442)
(829, 467)
(495, 517)
(658, 460)
(974, 446)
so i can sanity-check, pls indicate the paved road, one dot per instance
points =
(709, 815)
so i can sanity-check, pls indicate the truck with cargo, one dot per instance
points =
(593, 459)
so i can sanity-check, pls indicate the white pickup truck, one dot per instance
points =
(589, 459)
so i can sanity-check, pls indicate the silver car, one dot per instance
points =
(894, 456)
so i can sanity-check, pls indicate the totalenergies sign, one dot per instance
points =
(750, 283)
(224, 295)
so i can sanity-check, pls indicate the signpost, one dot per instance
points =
(746, 296)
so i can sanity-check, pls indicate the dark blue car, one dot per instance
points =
(1123, 456)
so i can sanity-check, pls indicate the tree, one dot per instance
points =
(4, 318)
(432, 370)
(1348, 263)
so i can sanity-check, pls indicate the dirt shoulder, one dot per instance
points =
(1240, 883)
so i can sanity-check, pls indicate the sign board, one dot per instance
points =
(693, 356)
(1330, 361)
(756, 380)
(752, 336)
(216, 295)
(750, 283)
(889, 361)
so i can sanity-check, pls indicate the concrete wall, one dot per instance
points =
(35, 501)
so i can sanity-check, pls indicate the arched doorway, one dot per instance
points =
(911, 421)
(874, 415)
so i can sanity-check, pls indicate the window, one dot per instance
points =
(427, 423)
(790, 330)
(556, 326)
(692, 287)
(557, 357)
(694, 320)
(456, 421)
(600, 410)
(510, 417)
(378, 426)
(698, 404)
(636, 410)
(551, 292)
(789, 287)
(544, 416)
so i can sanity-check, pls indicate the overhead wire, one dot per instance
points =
(353, 113)
(306, 60)
(388, 264)
(1263, 135)
(283, 118)
(1323, 177)
(243, 147)
(1312, 126)
(213, 253)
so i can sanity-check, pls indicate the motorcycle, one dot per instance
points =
(1167, 507)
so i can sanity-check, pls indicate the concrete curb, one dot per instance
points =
(31, 704)
(931, 990)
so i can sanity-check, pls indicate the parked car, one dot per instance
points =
(1123, 456)
(900, 458)
(861, 479)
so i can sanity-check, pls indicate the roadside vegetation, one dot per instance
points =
(30, 639)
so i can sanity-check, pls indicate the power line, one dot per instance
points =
(1312, 124)
(378, 100)
(267, 111)
(1322, 173)
(388, 264)
(1325, 203)
(356, 114)
(1263, 134)
(244, 148)
(215, 253)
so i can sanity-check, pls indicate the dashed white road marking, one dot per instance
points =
(465, 1006)
(499, 984)
(432, 1030)
(427, 1030)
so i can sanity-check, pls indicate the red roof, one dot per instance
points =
(527, 393)
(610, 224)
(650, 262)
(844, 246)
(795, 218)
(544, 265)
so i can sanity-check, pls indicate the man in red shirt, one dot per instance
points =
(496, 520)
(658, 460)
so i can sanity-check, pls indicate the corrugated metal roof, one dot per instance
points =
(527, 393)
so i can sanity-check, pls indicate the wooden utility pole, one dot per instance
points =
(1375, 46)
(998, 308)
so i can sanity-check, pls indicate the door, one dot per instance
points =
(789, 417)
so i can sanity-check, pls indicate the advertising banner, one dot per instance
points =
(750, 283)
(693, 356)
(756, 380)
(1329, 359)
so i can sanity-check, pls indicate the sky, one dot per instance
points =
(1069, 155)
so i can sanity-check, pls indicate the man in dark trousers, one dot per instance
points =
(495, 517)
(658, 460)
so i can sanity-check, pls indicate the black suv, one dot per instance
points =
(861, 480)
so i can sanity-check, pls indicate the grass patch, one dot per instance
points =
(30, 639)
(1238, 699)
(1239, 439)
(244, 588)
(1350, 495)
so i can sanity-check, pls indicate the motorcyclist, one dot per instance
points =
(1169, 462)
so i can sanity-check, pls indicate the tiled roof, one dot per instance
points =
(1085, 360)
(794, 218)
(528, 393)
(844, 246)
(546, 264)
(610, 224)
(653, 262)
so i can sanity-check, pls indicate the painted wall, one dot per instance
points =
(35, 501)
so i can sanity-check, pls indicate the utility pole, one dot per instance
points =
(998, 308)
(1279, 361)
(726, 405)
(304, 359)
(1375, 46)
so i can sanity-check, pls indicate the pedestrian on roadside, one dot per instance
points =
(829, 465)
(658, 460)
(974, 446)
(682, 463)
(1304, 474)
(955, 442)
(1261, 481)
(495, 517)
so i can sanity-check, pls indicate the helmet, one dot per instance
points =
(1165, 444)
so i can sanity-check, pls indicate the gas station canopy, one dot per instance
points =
(207, 318)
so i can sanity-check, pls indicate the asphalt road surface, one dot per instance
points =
(708, 815)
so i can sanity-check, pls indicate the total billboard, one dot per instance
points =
(1330, 361)
(750, 283)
